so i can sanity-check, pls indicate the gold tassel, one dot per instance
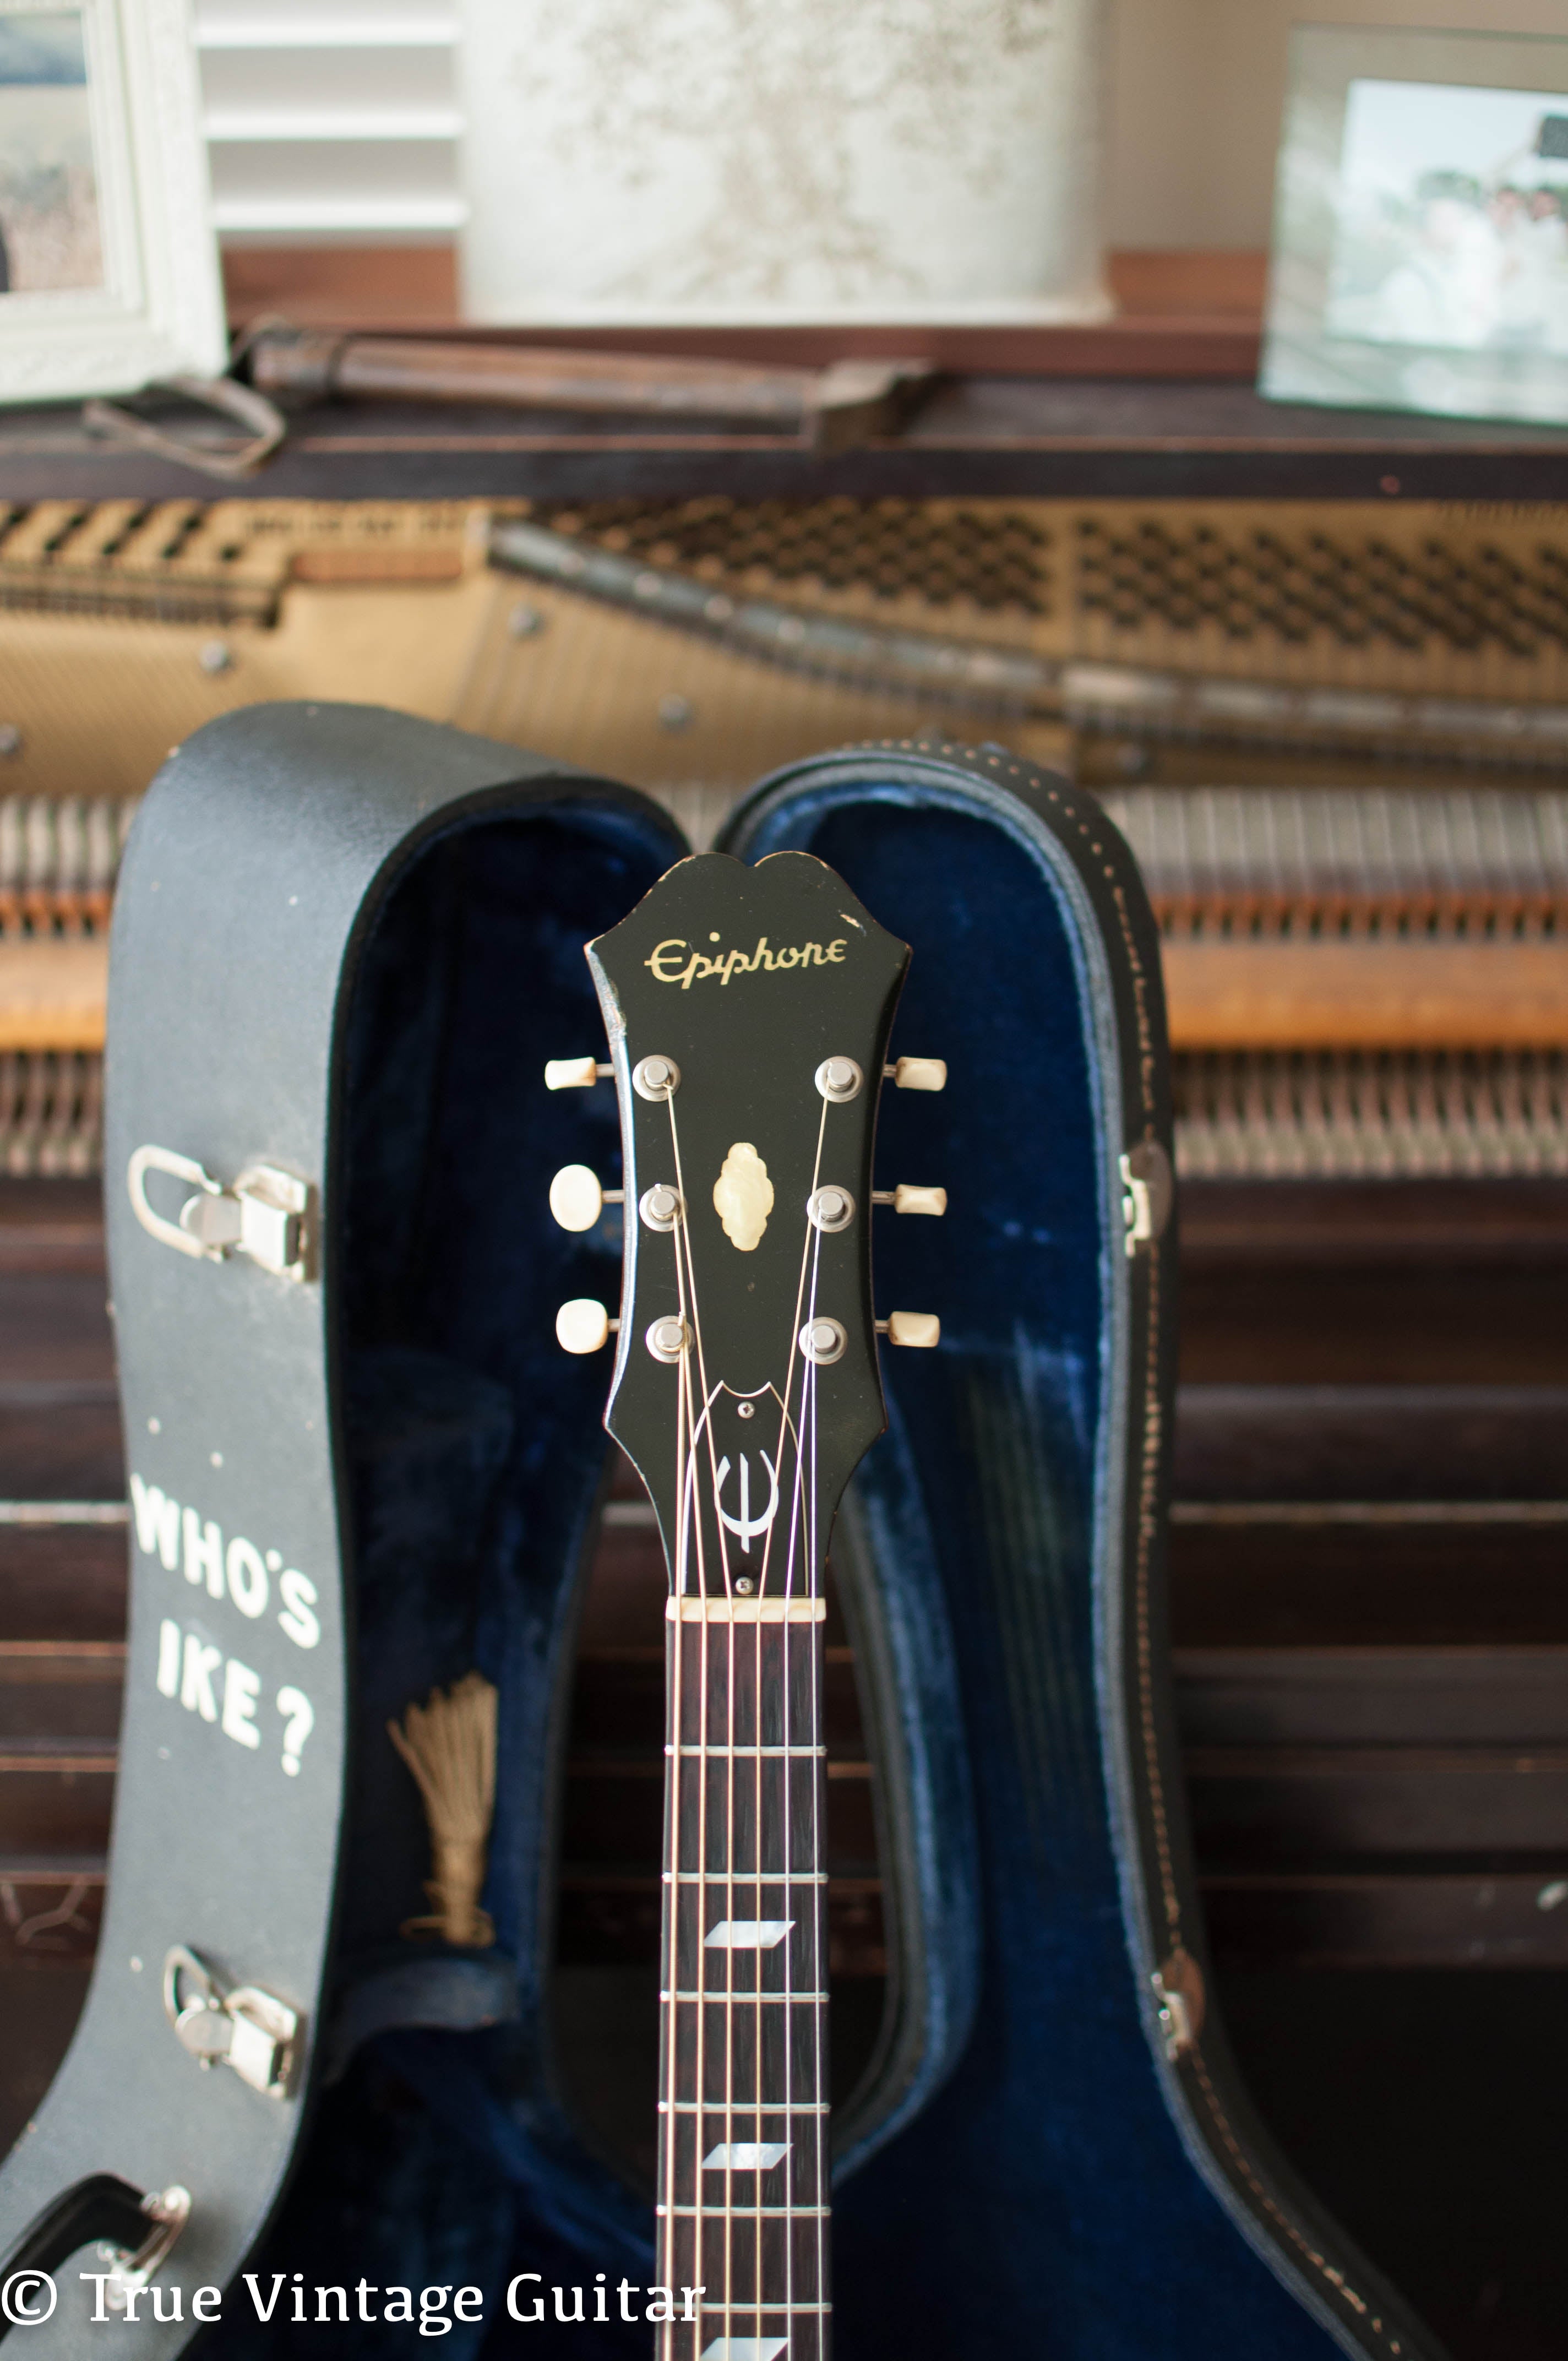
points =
(449, 1744)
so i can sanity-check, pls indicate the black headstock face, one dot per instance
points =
(749, 1012)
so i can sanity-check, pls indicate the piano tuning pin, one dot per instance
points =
(922, 1328)
(576, 1199)
(908, 1199)
(573, 1073)
(919, 1075)
(583, 1326)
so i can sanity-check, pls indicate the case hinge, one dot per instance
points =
(267, 1213)
(230, 2025)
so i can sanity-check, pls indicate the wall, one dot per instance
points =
(1197, 88)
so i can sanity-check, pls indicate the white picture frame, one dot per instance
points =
(106, 228)
(1420, 239)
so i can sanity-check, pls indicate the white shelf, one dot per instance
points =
(326, 33)
(223, 127)
(310, 217)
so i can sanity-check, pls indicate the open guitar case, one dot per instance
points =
(345, 943)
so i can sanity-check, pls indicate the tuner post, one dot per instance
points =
(823, 1341)
(656, 1078)
(831, 1208)
(659, 1207)
(668, 1338)
(840, 1080)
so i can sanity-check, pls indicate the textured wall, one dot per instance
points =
(1197, 87)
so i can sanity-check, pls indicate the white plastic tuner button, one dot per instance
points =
(573, 1073)
(921, 1328)
(583, 1326)
(576, 1198)
(907, 1199)
(919, 1075)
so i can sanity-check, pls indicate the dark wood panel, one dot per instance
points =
(1372, 1696)
(61, 1442)
(1288, 1805)
(1431, 1584)
(1403, 1322)
(1241, 1441)
(54, 1328)
(1075, 437)
(1317, 1919)
(62, 1582)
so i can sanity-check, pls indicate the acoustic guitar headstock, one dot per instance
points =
(749, 1011)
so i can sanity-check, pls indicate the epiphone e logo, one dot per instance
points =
(675, 961)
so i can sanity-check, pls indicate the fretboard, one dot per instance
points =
(743, 2120)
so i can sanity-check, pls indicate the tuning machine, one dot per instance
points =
(574, 1073)
(576, 1199)
(583, 1326)
(908, 1199)
(917, 1073)
(922, 1329)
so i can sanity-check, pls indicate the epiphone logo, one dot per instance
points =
(675, 961)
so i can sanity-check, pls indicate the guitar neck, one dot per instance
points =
(743, 2079)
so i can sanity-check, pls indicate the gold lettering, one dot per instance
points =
(812, 956)
(695, 965)
(761, 955)
(736, 959)
(835, 950)
(789, 959)
(673, 945)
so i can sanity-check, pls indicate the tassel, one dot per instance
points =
(449, 1744)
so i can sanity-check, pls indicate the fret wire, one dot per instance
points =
(750, 2000)
(742, 2212)
(745, 2107)
(765, 2310)
(768, 1753)
(745, 1877)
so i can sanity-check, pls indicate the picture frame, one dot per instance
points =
(1421, 238)
(106, 247)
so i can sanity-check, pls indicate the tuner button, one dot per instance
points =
(573, 1073)
(907, 1199)
(921, 1328)
(831, 1208)
(838, 1080)
(576, 1198)
(656, 1078)
(919, 1075)
(823, 1341)
(667, 1339)
(660, 1206)
(583, 1326)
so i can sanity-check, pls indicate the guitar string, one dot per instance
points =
(811, 1246)
(818, 1905)
(676, 1721)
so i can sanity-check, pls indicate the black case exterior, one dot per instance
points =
(259, 870)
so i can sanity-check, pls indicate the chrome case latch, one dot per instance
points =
(230, 2025)
(1149, 1192)
(267, 1213)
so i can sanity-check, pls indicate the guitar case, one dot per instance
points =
(345, 943)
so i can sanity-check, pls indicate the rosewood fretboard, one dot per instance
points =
(742, 2170)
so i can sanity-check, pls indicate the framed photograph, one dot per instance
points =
(108, 265)
(1420, 246)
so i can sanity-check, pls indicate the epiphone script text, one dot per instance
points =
(675, 961)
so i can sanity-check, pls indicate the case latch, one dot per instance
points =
(1181, 2002)
(230, 2025)
(1149, 1192)
(266, 1215)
